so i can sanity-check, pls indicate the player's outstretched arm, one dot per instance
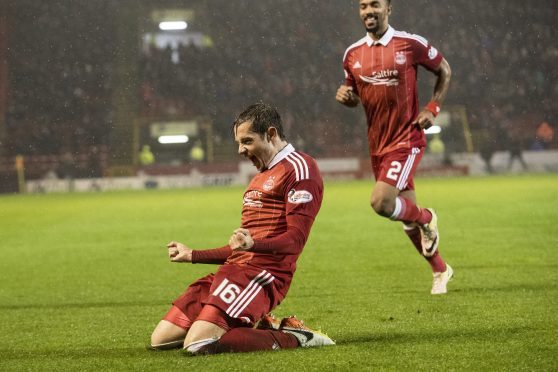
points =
(179, 252)
(346, 96)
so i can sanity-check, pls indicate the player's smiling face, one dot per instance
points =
(374, 15)
(252, 146)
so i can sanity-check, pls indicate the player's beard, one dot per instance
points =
(374, 27)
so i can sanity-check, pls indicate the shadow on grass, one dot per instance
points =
(82, 305)
(404, 338)
(139, 353)
(455, 286)
(105, 353)
(399, 338)
(512, 287)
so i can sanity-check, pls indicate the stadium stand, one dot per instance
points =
(61, 60)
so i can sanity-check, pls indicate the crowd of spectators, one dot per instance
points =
(60, 65)
(502, 55)
(287, 53)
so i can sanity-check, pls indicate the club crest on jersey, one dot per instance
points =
(268, 185)
(300, 196)
(400, 58)
(432, 52)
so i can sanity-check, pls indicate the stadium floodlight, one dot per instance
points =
(435, 129)
(173, 139)
(173, 25)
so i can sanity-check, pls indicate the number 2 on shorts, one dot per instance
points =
(393, 172)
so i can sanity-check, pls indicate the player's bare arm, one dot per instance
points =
(179, 252)
(425, 118)
(241, 240)
(346, 96)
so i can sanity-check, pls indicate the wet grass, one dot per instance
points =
(85, 278)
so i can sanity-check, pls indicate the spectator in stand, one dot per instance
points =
(61, 91)
(146, 156)
(543, 136)
(515, 148)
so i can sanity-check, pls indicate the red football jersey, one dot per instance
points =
(288, 193)
(384, 74)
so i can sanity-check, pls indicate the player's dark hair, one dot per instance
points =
(262, 117)
(388, 2)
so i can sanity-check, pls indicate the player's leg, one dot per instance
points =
(240, 297)
(394, 197)
(290, 334)
(441, 272)
(394, 173)
(172, 329)
(388, 202)
(383, 198)
(414, 233)
(239, 340)
(216, 332)
(386, 199)
(203, 337)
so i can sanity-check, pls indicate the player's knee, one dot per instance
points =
(161, 341)
(382, 206)
(177, 344)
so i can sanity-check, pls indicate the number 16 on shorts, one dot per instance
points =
(227, 291)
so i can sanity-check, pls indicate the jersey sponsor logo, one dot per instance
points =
(300, 196)
(251, 199)
(383, 77)
(268, 185)
(400, 58)
(432, 52)
(357, 65)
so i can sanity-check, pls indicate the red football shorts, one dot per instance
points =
(236, 296)
(397, 168)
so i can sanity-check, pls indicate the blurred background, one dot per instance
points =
(98, 89)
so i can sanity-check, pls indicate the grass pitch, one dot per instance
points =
(85, 278)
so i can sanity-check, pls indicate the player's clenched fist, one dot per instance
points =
(425, 119)
(346, 96)
(178, 252)
(241, 240)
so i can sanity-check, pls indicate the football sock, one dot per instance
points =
(436, 261)
(407, 212)
(250, 339)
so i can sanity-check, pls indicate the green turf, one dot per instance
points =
(85, 278)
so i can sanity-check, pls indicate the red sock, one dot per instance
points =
(408, 212)
(250, 339)
(436, 261)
